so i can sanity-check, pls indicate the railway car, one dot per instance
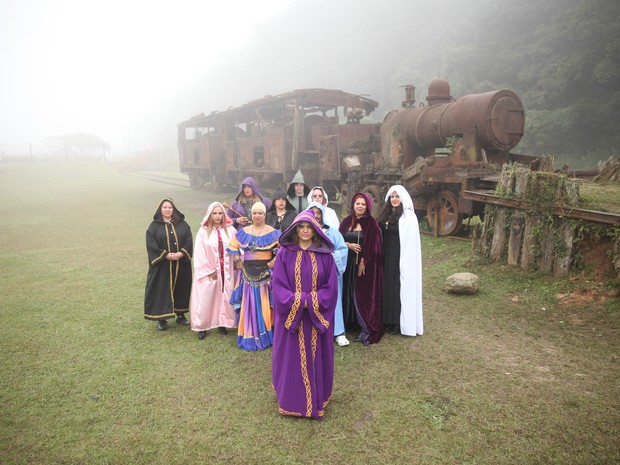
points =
(316, 130)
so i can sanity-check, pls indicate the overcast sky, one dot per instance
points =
(107, 67)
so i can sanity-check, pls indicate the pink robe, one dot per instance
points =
(210, 301)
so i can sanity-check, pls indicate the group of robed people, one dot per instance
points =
(286, 273)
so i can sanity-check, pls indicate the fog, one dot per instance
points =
(129, 71)
(115, 68)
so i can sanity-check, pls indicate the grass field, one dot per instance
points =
(512, 375)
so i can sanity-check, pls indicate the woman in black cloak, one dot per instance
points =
(169, 279)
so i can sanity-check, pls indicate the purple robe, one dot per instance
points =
(303, 340)
(238, 209)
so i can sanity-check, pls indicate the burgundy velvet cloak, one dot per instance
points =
(369, 286)
(303, 338)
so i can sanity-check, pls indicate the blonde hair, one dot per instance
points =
(209, 223)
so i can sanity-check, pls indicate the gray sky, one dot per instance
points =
(109, 67)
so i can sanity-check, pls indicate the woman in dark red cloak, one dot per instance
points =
(363, 279)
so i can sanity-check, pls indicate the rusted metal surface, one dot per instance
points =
(322, 132)
(566, 212)
(270, 138)
(480, 129)
(489, 124)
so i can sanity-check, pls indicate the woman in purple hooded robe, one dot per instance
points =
(241, 209)
(362, 291)
(305, 290)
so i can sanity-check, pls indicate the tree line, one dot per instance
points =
(562, 57)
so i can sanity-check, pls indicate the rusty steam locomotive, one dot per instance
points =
(437, 150)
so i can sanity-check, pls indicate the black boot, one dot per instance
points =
(162, 325)
(222, 330)
(202, 334)
(181, 320)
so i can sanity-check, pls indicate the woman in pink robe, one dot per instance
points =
(213, 274)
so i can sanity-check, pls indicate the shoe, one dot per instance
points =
(181, 320)
(342, 340)
(202, 334)
(394, 330)
(222, 330)
(357, 339)
(162, 325)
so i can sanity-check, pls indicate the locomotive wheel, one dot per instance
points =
(443, 213)
(373, 191)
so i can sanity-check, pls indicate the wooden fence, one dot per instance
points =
(535, 230)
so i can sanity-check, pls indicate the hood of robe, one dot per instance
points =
(324, 195)
(299, 177)
(176, 214)
(405, 198)
(227, 220)
(308, 216)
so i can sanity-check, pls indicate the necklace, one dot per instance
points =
(259, 232)
(254, 236)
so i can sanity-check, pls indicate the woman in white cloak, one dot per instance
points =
(402, 271)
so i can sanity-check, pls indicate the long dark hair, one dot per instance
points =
(390, 214)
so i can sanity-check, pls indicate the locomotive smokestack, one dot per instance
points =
(409, 96)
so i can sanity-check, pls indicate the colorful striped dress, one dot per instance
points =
(252, 294)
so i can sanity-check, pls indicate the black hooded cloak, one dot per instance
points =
(168, 282)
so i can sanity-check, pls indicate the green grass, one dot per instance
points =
(602, 196)
(85, 380)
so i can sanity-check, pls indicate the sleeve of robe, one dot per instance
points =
(234, 247)
(321, 303)
(341, 251)
(204, 263)
(186, 241)
(369, 286)
(331, 218)
(155, 252)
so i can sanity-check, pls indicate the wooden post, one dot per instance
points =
(507, 181)
(529, 242)
(517, 223)
(499, 234)
(563, 262)
(521, 182)
(489, 212)
(545, 262)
